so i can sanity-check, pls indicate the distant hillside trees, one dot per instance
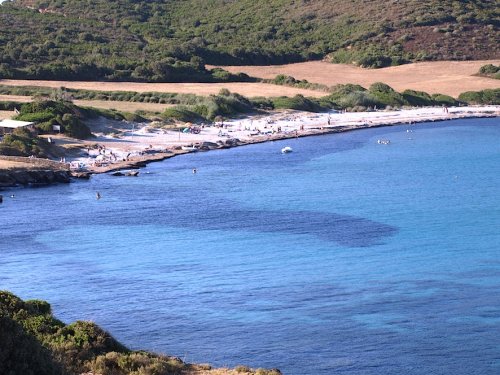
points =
(171, 41)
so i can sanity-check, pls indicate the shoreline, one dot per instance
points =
(299, 124)
(123, 148)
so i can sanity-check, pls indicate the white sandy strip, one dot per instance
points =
(144, 139)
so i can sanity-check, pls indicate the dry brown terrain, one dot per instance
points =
(6, 114)
(15, 98)
(8, 164)
(243, 88)
(122, 106)
(445, 77)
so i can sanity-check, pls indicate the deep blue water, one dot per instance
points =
(343, 257)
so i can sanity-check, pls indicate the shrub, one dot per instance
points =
(441, 99)
(417, 98)
(262, 103)
(9, 106)
(298, 102)
(491, 97)
(221, 75)
(38, 307)
(74, 127)
(357, 99)
(133, 117)
(489, 69)
(36, 117)
(242, 369)
(22, 142)
(181, 114)
(385, 95)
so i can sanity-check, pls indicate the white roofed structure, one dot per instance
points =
(7, 126)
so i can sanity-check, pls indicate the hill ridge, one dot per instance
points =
(160, 41)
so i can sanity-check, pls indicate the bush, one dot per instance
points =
(22, 142)
(298, 102)
(74, 127)
(491, 97)
(242, 369)
(21, 353)
(262, 103)
(489, 69)
(181, 114)
(417, 98)
(36, 117)
(358, 99)
(385, 95)
(38, 307)
(441, 99)
(9, 106)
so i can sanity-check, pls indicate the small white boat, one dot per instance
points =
(189, 148)
(286, 150)
(383, 141)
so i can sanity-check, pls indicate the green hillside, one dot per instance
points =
(155, 40)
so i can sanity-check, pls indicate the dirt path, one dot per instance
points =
(243, 88)
(446, 77)
(123, 106)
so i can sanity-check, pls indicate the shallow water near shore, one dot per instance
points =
(343, 257)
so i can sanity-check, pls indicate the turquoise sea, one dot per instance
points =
(343, 257)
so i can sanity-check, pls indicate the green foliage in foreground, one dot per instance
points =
(33, 342)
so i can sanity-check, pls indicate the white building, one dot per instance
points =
(8, 126)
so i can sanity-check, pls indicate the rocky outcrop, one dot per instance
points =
(9, 178)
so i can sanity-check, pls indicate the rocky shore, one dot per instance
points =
(24, 177)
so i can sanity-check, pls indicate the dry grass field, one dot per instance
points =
(15, 98)
(445, 77)
(122, 106)
(6, 114)
(8, 164)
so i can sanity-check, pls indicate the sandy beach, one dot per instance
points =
(132, 145)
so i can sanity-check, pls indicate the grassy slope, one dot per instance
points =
(156, 40)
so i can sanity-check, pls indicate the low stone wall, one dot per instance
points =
(37, 162)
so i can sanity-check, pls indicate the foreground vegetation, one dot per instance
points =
(34, 342)
(170, 41)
